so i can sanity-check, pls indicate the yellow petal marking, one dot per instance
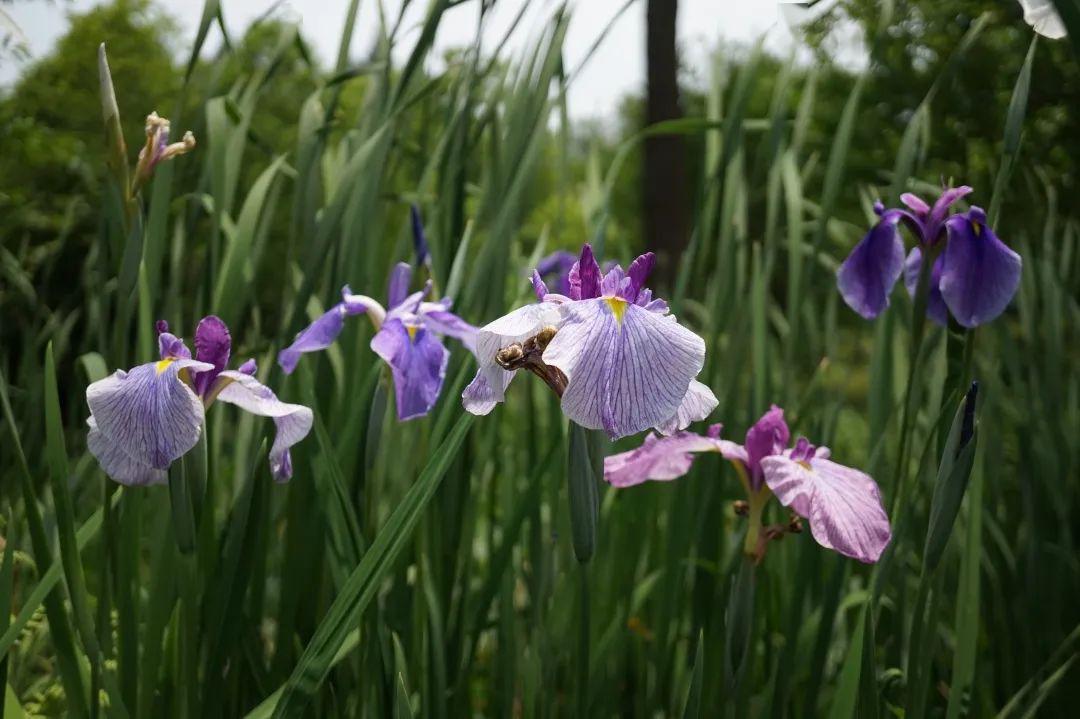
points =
(618, 307)
(162, 365)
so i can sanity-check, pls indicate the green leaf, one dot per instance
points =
(739, 622)
(363, 583)
(583, 491)
(952, 480)
(67, 657)
(692, 708)
(846, 697)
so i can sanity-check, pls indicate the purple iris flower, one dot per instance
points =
(843, 505)
(615, 356)
(973, 278)
(554, 269)
(407, 338)
(144, 419)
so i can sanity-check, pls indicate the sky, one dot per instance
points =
(615, 70)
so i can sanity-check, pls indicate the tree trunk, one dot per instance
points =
(664, 185)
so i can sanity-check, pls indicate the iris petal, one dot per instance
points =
(698, 404)
(148, 412)
(843, 505)
(628, 369)
(418, 363)
(658, 458)
(213, 344)
(118, 464)
(488, 388)
(980, 273)
(935, 305)
(867, 276)
(293, 421)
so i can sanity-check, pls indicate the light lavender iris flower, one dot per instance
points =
(615, 356)
(843, 505)
(407, 338)
(974, 277)
(144, 419)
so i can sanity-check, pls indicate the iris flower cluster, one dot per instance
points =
(144, 419)
(842, 504)
(616, 357)
(974, 274)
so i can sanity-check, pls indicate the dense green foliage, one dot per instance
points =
(428, 567)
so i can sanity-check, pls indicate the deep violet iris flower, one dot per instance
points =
(144, 419)
(843, 505)
(407, 338)
(973, 277)
(615, 356)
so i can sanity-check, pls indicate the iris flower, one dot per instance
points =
(974, 276)
(407, 338)
(144, 419)
(843, 505)
(614, 355)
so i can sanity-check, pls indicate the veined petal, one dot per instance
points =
(842, 504)
(980, 273)
(585, 276)
(539, 287)
(293, 421)
(418, 363)
(118, 464)
(628, 369)
(935, 305)
(447, 323)
(658, 458)
(149, 411)
(696, 405)
(488, 388)
(867, 276)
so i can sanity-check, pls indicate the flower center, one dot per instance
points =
(618, 307)
(411, 329)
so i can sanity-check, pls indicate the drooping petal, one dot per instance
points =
(658, 458)
(698, 403)
(488, 388)
(628, 369)
(118, 464)
(842, 504)
(418, 363)
(398, 287)
(867, 276)
(293, 421)
(148, 411)
(980, 273)
(447, 323)
(213, 344)
(321, 333)
(935, 305)
(769, 435)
